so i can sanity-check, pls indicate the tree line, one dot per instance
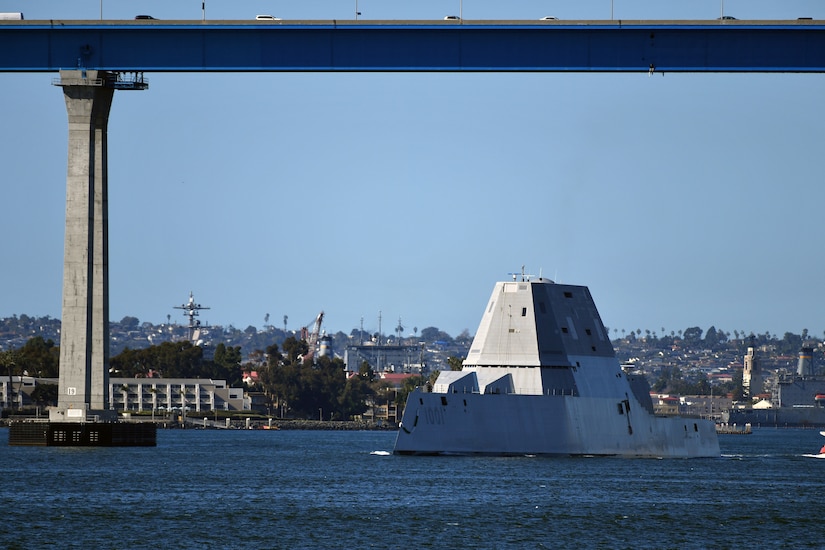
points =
(295, 383)
(715, 339)
(303, 388)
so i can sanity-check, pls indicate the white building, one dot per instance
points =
(167, 394)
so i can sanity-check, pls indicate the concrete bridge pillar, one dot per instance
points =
(83, 389)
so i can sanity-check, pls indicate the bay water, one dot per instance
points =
(340, 489)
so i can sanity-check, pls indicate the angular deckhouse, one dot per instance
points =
(542, 377)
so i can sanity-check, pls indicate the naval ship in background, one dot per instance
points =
(542, 378)
(796, 399)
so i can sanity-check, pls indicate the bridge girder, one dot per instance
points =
(390, 46)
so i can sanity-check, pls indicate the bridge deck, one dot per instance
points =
(349, 45)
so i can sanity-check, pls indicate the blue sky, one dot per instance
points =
(680, 200)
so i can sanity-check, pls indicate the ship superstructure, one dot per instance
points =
(797, 399)
(541, 377)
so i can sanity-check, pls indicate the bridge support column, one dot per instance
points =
(84, 336)
(82, 416)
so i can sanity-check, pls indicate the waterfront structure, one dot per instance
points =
(141, 394)
(16, 391)
(752, 382)
(542, 377)
(384, 358)
(805, 364)
(797, 399)
(168, 394)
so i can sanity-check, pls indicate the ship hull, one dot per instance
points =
(516, 425)
(541, 378)
(787, 417)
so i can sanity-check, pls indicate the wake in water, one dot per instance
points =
(821, 451)
(381, 453)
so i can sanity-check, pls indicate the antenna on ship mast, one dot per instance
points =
(524, 276)
(191, 309)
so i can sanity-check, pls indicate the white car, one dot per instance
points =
(266, 18)
(452, 18)
(549, 18)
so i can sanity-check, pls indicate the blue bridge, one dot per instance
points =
(584, 46)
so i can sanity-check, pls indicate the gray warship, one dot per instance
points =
(797, 399)
(542, 378)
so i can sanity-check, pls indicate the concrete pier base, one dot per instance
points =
(83, 434)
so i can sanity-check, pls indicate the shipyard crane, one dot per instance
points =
(312, 337)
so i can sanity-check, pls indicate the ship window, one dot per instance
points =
(695, 427)
(564, 330)
(524, 312)
(621, 409)
(420, 400)
(542, 308)
(444, 400)
(587, 331)
(593, 348)
(568, 294)
(465, 402)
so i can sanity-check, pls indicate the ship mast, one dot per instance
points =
(191, 309)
